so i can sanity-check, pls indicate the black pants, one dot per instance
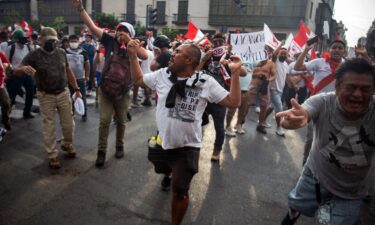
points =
(291, 93)
(14, 85)
(218, 113)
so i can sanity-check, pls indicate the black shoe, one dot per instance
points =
(100, 159)
(146, 103)
(288, 221)
(261, 129)
(3, 132)
(166, 183)
(119, 152)
(28, 116)
(84, 118)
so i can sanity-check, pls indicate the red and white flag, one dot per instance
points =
(27, 28)
(299, 41)
(17, 26)
(271, 39)
(195, 34)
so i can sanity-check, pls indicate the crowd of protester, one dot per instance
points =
(187, 82)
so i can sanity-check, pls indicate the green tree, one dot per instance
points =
(171, 33)
(106, 20)
(139, 29)
(58, 23)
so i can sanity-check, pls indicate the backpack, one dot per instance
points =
(13, 49)
(116, 77)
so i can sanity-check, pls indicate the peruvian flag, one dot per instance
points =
(27, 28)
(195, 34)
(17, 26)
(299, 41)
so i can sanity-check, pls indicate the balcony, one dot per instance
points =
(180, 19)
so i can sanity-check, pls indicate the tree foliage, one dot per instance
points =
(106, 20)
(58, 23)
(171, 33)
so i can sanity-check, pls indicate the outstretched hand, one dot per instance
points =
(293, 118)
(76, 3)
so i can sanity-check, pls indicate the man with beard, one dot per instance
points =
(211, 65)
(339, 171)
(183, 96)
(279, 57)
(116, 81)
(323, 71)
(51, 70)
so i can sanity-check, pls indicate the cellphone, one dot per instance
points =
(312, 40)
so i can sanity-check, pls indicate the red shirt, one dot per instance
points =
(3, 59)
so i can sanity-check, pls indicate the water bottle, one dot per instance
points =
(152, 142)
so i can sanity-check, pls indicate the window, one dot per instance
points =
(182, 15)
(160, 19)
(130, 9)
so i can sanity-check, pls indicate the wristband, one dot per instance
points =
(80, 8)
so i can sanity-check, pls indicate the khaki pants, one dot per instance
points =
(108, 107)
(242, 110)
(48, 104)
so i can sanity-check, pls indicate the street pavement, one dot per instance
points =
(248, 187)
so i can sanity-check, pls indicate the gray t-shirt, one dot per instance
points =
(342, 156)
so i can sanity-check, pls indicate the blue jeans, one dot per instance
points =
(14, 85)
(303, 199)
(276, 100)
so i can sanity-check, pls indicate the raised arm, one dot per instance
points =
(86, 18)
(300, 66)
(233, 99)
(135, 68)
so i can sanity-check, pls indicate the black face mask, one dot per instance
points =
(282, 58)
(49, 46)
(23, 40)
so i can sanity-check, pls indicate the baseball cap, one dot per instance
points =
(18, 34)
(128, 26)
(48, 33)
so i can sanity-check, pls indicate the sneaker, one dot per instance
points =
(28, 116)
(100, 159)
(54, 163)
(136, 105)
(215, 156)
(261, 129)
(230, 132)
(288, 221)
(257, 109)
(166, 183)
(70, 150)
(265, 124)
(119, 152)
(3, 132)
(239, 129)
(280, 131)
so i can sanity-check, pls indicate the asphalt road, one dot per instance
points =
(249, 185)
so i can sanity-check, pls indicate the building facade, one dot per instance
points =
(282, 17)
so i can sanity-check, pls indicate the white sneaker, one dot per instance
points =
(266, 125)
(239, 129)
(136, 105)
(257, 109)
(230, 132)
(280, 131)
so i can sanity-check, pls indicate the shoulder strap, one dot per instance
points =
(11, 53)
(28, 47)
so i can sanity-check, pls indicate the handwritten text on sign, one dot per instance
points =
(249, 46)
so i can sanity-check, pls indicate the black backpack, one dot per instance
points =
(116, 77)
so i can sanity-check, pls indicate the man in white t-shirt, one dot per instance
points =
(340, 170)
(279, 57)
(183, 96)
(324, 80)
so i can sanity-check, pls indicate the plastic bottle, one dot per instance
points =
(158, 140)
(152, 142)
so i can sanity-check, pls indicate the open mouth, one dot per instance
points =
(355, 104)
